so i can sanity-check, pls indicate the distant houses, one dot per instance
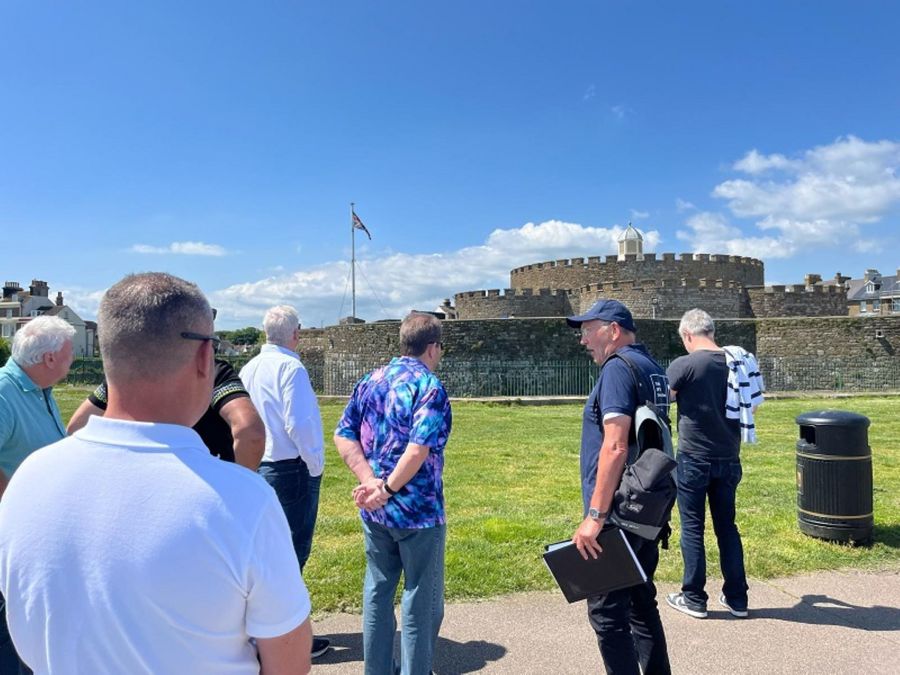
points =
(19, 306)
(874, 295)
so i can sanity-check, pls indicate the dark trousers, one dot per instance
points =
(700, 478)
(9, 660)
(629, 631)
(298, 493)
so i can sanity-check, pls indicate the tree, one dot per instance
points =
(246, 336)
(4, 351)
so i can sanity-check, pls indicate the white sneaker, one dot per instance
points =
(740, 613)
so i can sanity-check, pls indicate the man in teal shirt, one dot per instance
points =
(29, 417)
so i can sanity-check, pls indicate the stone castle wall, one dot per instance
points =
(496, 304)
(660, 298)
(797, 300)
(550, 339)
(579, 272)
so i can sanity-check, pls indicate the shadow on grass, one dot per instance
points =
(888, 535)
(823, 610)
(450, 656)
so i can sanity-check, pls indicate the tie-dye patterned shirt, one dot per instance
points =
(397, 404)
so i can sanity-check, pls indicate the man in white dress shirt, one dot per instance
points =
(127, 547)
(294, 457)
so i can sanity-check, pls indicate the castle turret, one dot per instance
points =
(631, 243)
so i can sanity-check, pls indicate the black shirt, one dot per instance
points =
(700, 380)
(213, 430)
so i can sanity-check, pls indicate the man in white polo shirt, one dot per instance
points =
(127, 547)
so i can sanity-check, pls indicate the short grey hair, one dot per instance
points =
(140, 322)
(417, 331)
(697, 322)
(42, 335)
(280, 323)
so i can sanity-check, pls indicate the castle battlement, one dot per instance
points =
(661, 285)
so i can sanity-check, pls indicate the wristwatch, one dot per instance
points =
(594, 514)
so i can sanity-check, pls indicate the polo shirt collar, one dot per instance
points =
(149, 435)
(19, 376)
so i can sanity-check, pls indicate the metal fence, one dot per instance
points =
(471, 379)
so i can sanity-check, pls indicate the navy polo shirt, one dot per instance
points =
(615, 392)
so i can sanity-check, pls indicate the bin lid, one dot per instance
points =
(833, 418)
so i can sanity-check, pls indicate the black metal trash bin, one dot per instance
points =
(834, 476)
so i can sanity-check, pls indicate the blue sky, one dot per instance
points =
(224, 141)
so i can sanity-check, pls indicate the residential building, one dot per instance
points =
(19, 306)
(874, 295)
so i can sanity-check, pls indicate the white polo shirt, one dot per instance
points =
(128, 548)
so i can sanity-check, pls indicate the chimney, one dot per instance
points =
(39, 288)
(10, 288)
(59, 299)
(812, 279)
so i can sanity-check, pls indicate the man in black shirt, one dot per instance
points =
(709, 465)
(231, 428)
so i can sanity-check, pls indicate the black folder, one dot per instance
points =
(615, 568)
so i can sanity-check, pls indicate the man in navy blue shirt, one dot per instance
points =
(627, 623)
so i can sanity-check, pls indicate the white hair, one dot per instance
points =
(280, 323)
(697, 322)
(42, 335)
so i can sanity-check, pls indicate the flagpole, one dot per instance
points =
(352, 263)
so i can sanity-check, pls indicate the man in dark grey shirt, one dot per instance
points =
(709, 465)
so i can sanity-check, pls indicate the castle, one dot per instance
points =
(653, 287)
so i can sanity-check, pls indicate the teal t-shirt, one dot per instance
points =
(29, 417)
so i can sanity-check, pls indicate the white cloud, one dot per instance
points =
(639, 215)
(590, 92)
(181, 248)
(754, 162)
(620, 111)
(712, 233)
(390, 285)
(682, 205)
(823, 197)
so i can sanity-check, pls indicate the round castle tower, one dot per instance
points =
(652, 286)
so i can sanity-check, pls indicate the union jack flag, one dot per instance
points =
(358, 224)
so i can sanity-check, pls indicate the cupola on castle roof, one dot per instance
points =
(631, 243)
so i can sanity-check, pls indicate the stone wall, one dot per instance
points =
(494, 304)
(578, 272)
(797, 300)
(673, 297)
(547, 338)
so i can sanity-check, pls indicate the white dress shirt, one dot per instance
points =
(279, 387)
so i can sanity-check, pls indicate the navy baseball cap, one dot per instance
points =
(605, 310)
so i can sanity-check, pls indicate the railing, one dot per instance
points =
(471, 379)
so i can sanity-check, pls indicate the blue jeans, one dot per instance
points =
(717, 479)
(629, 630)
(298, 493)
(419, 554)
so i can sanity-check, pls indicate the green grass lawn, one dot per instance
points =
(511, 485)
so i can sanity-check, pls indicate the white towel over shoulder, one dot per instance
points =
(744, 391)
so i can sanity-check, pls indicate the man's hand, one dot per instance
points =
(585, 538)
(370, 495)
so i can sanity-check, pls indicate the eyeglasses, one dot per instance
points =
(583, 331)
(188, 335)
(439, 344)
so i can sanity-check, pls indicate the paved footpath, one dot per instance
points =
(836, 622)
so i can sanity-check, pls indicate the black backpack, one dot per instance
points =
(647, 491)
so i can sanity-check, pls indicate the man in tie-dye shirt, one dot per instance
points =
(392, 436)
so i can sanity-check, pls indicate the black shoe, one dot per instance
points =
(320, 646)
